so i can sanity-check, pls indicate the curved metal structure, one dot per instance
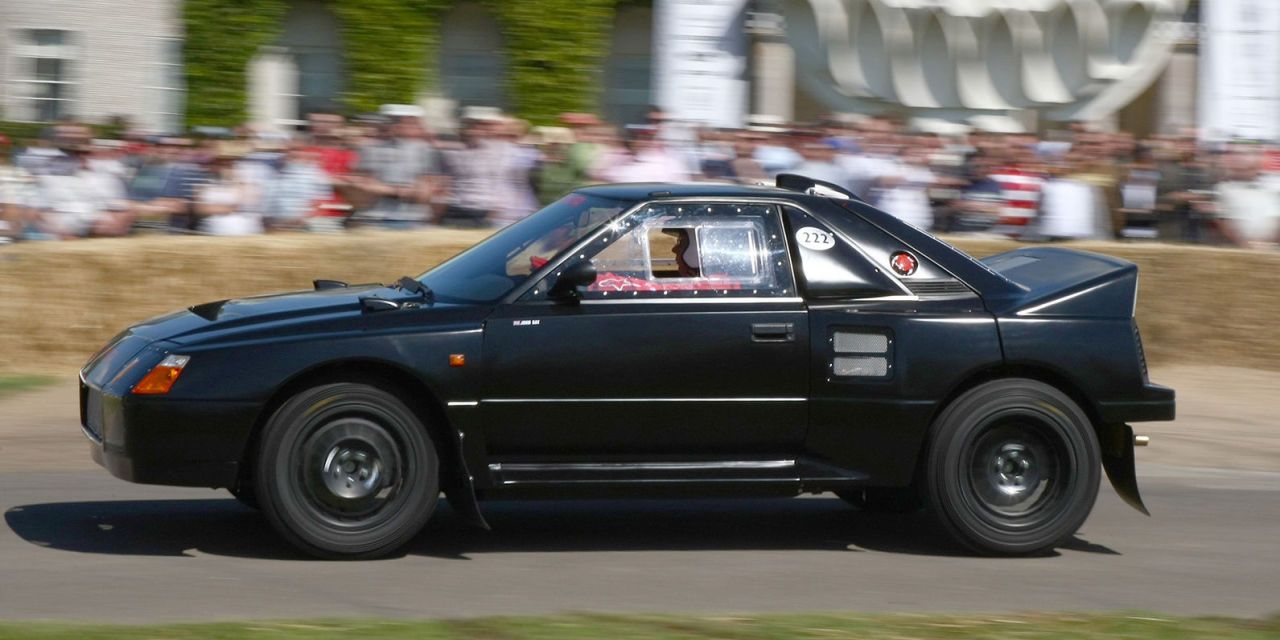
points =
(959, 59)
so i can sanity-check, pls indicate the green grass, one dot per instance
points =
(646, 627)
(13, 383)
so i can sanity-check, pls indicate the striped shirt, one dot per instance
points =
(1020, 191)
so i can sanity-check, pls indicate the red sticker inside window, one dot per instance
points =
(903, 263)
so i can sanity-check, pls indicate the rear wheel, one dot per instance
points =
(346, 471)
(1013, 468)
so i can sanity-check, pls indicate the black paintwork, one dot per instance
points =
(642, 398)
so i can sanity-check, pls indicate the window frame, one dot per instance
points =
(533, 292)
(20, 78)
(162, 96)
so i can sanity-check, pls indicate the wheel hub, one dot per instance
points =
(352, 472)
(1014, 470)
(351, 468)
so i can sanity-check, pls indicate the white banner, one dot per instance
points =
(700, 60)
(1240, 70)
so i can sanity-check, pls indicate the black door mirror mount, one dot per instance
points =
(565, 289)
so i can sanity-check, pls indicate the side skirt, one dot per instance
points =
(780, 476)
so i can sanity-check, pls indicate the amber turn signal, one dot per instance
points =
(457, 359)
(160, 379)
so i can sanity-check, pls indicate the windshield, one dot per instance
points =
(503, 261)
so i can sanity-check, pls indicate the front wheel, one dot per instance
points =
(346, 471)
(1013, 468)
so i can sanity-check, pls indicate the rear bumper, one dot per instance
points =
(164, 441)
(1154, 403)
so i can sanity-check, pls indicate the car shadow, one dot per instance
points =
(226, 528)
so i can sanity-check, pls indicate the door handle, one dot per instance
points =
(773, 332)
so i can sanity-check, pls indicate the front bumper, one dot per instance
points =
(166, 441)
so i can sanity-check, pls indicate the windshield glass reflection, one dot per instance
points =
(492, 269)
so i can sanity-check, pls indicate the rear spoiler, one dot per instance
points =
(1057, 282)
(814, 187)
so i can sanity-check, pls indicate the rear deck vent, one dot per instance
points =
(936, 287)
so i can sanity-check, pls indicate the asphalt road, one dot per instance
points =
(80, 545)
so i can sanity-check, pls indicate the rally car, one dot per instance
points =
(652, 340)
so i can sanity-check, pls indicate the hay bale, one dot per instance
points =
(61, 301)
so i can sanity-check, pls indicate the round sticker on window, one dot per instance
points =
(815, 239)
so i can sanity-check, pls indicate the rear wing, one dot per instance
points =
(1057, 282)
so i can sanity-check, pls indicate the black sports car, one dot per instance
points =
(652, 339)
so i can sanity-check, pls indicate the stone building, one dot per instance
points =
(91, 59)
(995, 63)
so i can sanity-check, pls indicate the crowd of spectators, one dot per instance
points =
(392, 170)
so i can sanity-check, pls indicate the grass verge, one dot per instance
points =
(13, 383)
(644, 627)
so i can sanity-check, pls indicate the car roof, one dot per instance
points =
(646, 190)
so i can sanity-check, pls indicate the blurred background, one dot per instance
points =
(1152, 120)
(160, 153)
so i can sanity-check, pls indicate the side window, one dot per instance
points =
(830, 267)
(688, 250)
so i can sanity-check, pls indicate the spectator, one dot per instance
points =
(78, 203)
(295, 192)
(1021, 180)
(744, 167)
(1184, 191)
(475, 172)
(1138, 196)
(905, 194)
(1068, 203)
(774, 153)
(17, 194)
(1248, 209)
(337, 160)
(403, 171)
(556, 172)
(819, 159)
(225, 203)
(648, 159)
(513, 197)
(164, 187)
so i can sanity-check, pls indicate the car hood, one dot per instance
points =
(329, 310)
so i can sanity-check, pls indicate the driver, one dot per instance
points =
(686, 252)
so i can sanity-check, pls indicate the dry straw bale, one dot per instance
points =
(62, 300)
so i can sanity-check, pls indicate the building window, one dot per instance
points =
(473, 69)
(42, 74)
(168, 86)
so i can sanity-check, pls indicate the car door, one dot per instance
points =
(691, 341)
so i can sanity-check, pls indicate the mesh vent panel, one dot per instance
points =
(861, 367)
(861, 342)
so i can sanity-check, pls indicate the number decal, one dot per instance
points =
(815, 239)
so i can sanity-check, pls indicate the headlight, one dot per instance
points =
(160, 379)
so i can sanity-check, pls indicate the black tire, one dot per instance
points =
(883, 499)
(1013, 468)
(346, 471)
